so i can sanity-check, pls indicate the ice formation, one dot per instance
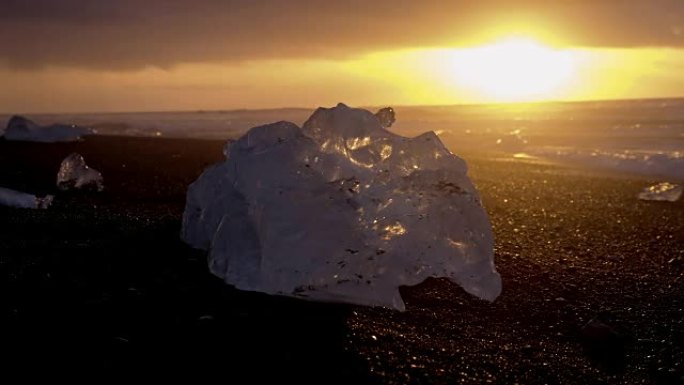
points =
(386, 116)
(662, 192)
(17, 199)
(74, 173)
(341, 210)
(662, 163)
(20, 128)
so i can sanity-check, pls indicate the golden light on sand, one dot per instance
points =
(514, 69)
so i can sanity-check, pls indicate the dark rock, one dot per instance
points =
(603, 344)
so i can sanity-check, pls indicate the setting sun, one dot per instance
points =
(514, 69)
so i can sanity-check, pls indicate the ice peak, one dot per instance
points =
(386, 116)
(19, 122)
(341, 122)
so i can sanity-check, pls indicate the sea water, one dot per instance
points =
(634, 136)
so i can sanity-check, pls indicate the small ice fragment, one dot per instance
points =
(75, 173)
(386, 116)
(662, 192)
(13, 198)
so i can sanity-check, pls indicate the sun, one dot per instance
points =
(513, 69)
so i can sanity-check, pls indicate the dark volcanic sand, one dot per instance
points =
(100, 284)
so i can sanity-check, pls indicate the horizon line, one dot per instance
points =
(499, 103)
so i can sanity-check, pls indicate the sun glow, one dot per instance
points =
(515, 69)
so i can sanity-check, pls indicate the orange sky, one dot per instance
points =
(85, 56)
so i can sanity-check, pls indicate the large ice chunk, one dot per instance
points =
(664, 191)
(341, 210)
(74, 173)
(23, 129)
(18, 199)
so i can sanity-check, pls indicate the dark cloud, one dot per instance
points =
(130, 34)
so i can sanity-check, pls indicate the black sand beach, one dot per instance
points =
(101, 285)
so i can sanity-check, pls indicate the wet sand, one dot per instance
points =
(101, 286)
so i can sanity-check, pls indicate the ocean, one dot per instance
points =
(631, 136)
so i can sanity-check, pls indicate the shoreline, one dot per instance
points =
(108, 275)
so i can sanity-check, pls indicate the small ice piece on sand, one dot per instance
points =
(74, 173)
(13, 198)
(664, 191)
(20, 128)
(341, 210)
(386, 116)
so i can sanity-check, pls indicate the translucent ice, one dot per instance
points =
(20, 128)
(386, 116)
(341, 210)
(662, 192)
(13, 198)
(74, 173)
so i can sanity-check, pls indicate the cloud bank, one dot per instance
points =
(128, 35)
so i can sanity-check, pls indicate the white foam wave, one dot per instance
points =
(670, 164)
